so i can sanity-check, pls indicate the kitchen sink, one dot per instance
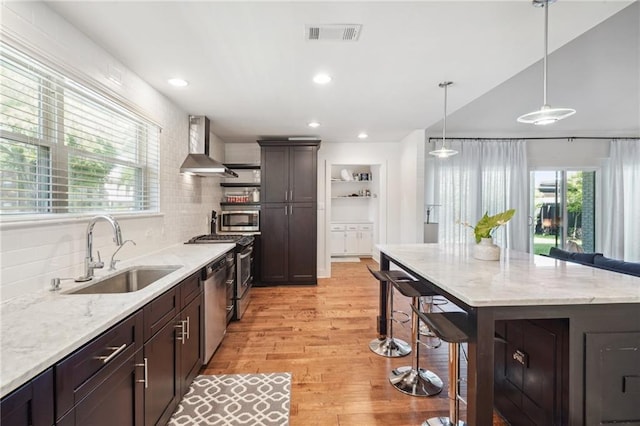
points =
(128, 280)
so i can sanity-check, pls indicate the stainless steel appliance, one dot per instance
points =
(244, 276)
(214, 278)
(240, 221)
(244, 256)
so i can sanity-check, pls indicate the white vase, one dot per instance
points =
(486, 250)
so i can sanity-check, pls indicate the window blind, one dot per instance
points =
(68, 149)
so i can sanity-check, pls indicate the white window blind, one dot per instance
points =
(67, 149)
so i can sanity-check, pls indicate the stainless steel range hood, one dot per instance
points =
(198, 161)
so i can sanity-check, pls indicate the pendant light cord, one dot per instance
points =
(546, 32)
(444, 121)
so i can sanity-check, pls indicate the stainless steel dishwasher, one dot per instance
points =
(215, 305)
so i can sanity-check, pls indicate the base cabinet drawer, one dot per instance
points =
(86, 370)
(118, 400)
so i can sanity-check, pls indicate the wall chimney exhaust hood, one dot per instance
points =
(198, 161)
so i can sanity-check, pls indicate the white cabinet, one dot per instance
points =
(351, 239)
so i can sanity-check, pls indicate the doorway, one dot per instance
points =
(564, 210)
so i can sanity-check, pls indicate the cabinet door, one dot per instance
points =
(365, 242)
(191, 346)
(31, 404)
(338, 247)
(274, 242)
(118, 400)
(351, 241)
(302, 243)
(303, 174)
(162, 393)
(275, 175)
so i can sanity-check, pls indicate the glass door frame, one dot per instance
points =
(562, 172)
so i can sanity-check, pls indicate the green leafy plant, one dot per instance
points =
(487, 224)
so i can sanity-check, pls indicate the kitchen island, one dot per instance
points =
(602, 309)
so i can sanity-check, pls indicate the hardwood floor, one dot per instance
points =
(321, 335)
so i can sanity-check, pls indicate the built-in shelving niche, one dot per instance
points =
(354, 194)
(247, 182)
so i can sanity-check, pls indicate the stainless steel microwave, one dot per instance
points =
(240, 221)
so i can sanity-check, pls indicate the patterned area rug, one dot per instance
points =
(236, 399)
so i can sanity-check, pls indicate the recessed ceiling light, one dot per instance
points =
(362, 135)
(314, 124)
(321, 78)
(178, 82)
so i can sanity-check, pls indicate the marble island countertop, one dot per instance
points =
(39, 329)
(518, 279)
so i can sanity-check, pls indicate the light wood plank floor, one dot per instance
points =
(321, 334)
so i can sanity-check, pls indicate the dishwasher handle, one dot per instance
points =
(213, 268)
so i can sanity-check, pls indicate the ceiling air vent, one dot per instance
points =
(333, 32)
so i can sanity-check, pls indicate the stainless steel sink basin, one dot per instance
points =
(128, 280)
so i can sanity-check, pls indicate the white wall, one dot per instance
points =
(31, 253)
(412, 187)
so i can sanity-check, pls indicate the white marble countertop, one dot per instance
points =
(39, 329)
(518, 279)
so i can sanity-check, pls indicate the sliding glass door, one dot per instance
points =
(563, 215)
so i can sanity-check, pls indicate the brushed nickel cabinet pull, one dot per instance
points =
(188, 329)
(521, 357)
(146, 372)
(181, 326)
(116, 350)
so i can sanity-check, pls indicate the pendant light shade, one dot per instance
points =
(546, 114)
(444, 152)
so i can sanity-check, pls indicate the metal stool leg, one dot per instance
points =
(389, 346)
(414, 380)
(454, 392)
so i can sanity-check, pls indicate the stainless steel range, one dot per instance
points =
(243, 267)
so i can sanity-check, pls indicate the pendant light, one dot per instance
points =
(545, 115)
(443, 152)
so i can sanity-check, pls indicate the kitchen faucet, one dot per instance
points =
(89, 263)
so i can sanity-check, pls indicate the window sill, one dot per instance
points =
(30, 221)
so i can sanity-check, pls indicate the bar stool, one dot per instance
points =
(386, 345)
(414, 380)
(454, 328)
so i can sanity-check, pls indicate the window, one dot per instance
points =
(66, 149)
(564, 210)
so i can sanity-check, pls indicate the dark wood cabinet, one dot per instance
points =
(31, 404)
(133, 374)
(612, 373)
(191, 344)
(531, 374)
(163, 389)
(118, 400)
(303, 244)
(102, 382)
(288, 212)
(275, 242)
(289, 172)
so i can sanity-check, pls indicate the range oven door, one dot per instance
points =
(244, 280)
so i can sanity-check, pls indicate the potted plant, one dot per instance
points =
(485, 249)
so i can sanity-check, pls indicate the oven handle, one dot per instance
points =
(245, 253)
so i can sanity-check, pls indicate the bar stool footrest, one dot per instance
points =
(390, 347)
(441, 421)
(419, 382)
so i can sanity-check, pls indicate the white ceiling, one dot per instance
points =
(250, 68)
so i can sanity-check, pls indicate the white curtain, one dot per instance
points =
(486, 176)
(621, 201)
